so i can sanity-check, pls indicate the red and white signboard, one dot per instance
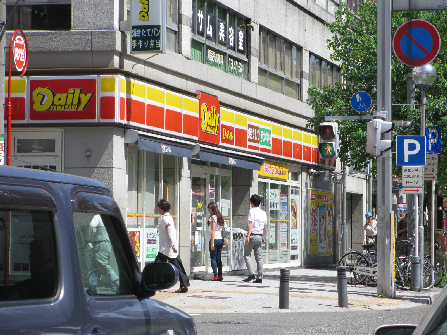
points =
(20, 53)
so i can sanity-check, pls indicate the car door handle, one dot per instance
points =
(96, 331)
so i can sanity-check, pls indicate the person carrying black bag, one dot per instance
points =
(168, 251)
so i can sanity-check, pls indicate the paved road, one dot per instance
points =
(342, 322)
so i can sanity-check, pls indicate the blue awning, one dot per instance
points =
(231, 159)
(165, 148)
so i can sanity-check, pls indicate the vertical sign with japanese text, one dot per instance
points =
(148, 25)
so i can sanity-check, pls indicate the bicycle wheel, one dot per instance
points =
(439, 272)
(427, 282)
(351, 260)
(403, 274)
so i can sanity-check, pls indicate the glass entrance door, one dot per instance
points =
(208, 185)
(198, 221)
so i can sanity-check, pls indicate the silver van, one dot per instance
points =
(67, 265)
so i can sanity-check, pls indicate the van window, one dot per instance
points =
(105, 268)
(28, 258)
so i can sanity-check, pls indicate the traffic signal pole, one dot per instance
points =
(385, 283)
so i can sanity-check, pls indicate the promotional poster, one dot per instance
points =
(320, 222)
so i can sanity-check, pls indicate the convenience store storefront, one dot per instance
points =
(163, 144)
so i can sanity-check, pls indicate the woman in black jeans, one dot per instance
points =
(216, 221)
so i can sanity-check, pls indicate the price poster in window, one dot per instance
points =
(320, 222)
(151, 244)
(274, 200)
(135, 239)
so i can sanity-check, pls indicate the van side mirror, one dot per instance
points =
(159, 276)
(395, 330)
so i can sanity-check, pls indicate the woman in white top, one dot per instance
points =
(216, 221)
(167, 250)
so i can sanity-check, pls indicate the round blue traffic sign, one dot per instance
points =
(361, 101)
(416, 43)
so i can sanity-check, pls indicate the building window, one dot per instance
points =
(45, 15)
(219, 38)
(172, 25)
(354, 4)
(330, 5)
(279, 64)
(323, 73)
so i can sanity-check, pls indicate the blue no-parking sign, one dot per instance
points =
(433, 138)
(410, 150)
(416, 42)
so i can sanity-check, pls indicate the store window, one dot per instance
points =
(323, 73)
(38, 150)
(279, 64)
(172, 25)
(219, 38)
(281, 203)
(151, 177)
(39, 15)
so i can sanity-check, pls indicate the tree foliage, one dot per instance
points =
(354, 47)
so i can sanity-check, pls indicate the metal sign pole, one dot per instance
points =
(385, 285)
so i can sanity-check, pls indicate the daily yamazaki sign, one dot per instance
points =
(63, 99)
(209, 118)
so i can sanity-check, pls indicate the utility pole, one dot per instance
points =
(385, 283)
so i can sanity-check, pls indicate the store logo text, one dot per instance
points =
(227, 134)
(144, 13)
(210, 119)
(45, 99)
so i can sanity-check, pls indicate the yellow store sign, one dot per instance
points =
(274, 170)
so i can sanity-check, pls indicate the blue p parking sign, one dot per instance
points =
(410, 150)
(433, 139)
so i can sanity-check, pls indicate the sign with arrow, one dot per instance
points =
(412, 181)
(431, 167)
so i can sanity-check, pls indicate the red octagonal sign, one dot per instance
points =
(416, 42)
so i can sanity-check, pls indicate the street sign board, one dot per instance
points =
(361, 101)
(418, 5)
(412, 176)
(433, 136)
(431, 167)
(416, 42)
(410, 150)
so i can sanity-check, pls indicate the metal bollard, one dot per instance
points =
(415, 284)
(284, 288)
(342, 287)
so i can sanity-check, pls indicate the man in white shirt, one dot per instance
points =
(257, 219)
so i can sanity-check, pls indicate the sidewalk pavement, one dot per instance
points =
(309, 290)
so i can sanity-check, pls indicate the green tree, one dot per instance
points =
(354, 47)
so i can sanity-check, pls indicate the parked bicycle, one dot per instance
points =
(362, 266)
(439, 269)
(403, 267)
